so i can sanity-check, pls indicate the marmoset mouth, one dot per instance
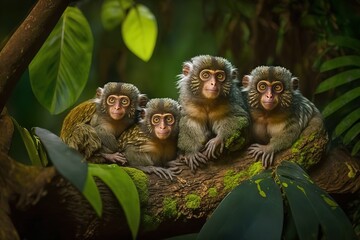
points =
(117, 114)
(212, 89)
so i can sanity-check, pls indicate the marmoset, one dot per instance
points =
(213, 109)
(278, 110)
(151, 144)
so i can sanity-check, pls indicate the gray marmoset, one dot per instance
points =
(213, 110)
(278, 110)
(151, 144)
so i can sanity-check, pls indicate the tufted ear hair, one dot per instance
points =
(246, 81)
(187, 67)
(142, 114)
(143, 100)
(99, 92)
(234, 73)
(295, 83)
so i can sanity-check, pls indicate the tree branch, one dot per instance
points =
(26, 41)
(168, 208)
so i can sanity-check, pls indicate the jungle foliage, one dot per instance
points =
(316, 39)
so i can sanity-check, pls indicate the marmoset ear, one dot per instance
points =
(295, 83)
(246, 81)
(187, 68)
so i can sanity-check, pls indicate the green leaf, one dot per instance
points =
(30, 145)
(352, 133)
(40, 150)
(60, 70)
(338, 80)
(347, 42)
(112, 14)
(124, 189)
(338, 62)
(293, 171)
(313, 210)
(303, 215)
(346, 123)
(125, 4)
(67, 161)
(253, 210)
(341, 101)
(91, 193)
(139, 31)
(355, 149)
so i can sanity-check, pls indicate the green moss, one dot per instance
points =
(212, 192)
(312, 136)
(150, 222)
(192, 201)
(237, 140)
(351, 173)
(303, 161)
(254, 169)
(170, 207)
(301, 158)
(232, 178)
(141, 182)
(295, 147)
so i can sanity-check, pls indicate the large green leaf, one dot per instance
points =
(113, 12)
(338, 62)
(91, 193)
(341, 101)
(304, 216)
(139, 31)
(314, 212)
(338, 80)
(352, 133)
(252, 210)
(67, 161)
(59, 71)
(124, 189)
(346, 123)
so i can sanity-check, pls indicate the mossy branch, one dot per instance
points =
(168, 207)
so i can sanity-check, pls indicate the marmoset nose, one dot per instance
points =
(269, 94)
(117, 105)
(212, 81)
(162, 125)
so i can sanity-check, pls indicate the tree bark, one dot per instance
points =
(26, 41)
(19, 184)
(38, 203)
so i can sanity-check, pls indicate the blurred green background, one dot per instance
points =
(290, 33)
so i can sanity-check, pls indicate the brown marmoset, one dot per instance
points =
(213, 110)
(151, 144)
(94, 126)
(278, 110)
